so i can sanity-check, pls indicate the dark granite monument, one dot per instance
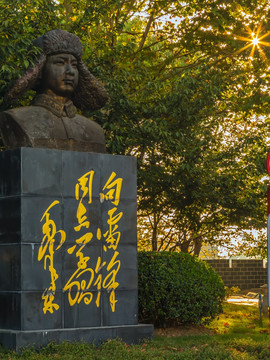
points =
(68, 247)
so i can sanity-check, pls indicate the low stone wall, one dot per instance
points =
(246, 274)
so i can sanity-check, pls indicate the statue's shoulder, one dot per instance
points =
(91, 128)
(23, 113)
(14, 125)
(88, 122)
(29, 119)
(14, 116)
(18, 110)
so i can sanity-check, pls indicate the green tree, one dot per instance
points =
(184, 99)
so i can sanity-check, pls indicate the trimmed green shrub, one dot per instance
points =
(177, 287)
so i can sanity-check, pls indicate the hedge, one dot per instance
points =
(178, 288)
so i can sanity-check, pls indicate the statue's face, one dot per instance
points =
(60, 75)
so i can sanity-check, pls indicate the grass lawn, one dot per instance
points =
(237, 334)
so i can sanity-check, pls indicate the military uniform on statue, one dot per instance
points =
(51, 124)
(60, 79)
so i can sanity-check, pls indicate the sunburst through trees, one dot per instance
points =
(256, 41)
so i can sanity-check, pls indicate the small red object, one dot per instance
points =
(268, 163)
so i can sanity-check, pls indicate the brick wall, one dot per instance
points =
(246, 274)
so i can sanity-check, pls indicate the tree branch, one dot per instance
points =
(146, 31)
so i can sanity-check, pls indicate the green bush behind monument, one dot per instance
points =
(177, 288)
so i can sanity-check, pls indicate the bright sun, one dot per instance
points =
(255, 41)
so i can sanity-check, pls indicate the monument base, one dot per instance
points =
(68, 248)
(131, 334)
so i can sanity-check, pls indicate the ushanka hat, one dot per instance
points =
(89, 94)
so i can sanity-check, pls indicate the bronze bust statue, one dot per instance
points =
(61, 80)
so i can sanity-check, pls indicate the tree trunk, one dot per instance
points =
(184, 246)
(154, 234)
(197, 246)
(69, 12)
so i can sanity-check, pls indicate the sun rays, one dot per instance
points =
(255, 41)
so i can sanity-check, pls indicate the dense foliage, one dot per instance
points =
(177, 288)
(188, 96)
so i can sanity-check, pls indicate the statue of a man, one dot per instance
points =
(61, 81)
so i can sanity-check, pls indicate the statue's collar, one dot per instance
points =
(54, 106)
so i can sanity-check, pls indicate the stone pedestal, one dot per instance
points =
(68, 248)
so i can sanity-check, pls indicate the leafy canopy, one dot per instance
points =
(188, 96)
